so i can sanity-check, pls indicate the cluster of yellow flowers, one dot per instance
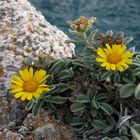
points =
(81, 24)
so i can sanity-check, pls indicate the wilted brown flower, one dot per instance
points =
(82, 24)
(109, 38)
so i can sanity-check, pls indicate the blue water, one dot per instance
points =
(118, 15)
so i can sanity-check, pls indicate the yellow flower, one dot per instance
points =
(29, 84)
(114, 57)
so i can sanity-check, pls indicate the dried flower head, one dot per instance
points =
(29, 84)
(110, 39)
(82, 24)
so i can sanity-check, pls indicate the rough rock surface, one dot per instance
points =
(25, 32)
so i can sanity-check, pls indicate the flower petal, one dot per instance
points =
(108, 67)
(16, 78)
(24, 96)
(31, 72)
(101, 53)
(104, 64)
(16, 90)
(108, 48)
(26, 73)
(17, 83)
(39, 75)
(120, 68)
(43, 79)
(113, 67)
(17, 95)
(23, 76)
(100, 60)
(29, 96)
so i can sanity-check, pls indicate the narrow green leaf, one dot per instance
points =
(81, 98)
(93, 113)
(76, 107)
(58, 100)
(128, 40)
(30, 105)
(106, 138)
(127, 90)
(136, 71)
(57, 66)
(137, 92)
(66, 74)
(98, 124)
(106, 108)
(95, 104)
(105, 75)
(76, 121)
(37, 107)
(135, 130)
(92, 34)
(82, 65)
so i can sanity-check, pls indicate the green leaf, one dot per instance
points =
(76, 107)
(127, 90)
(105, 75)
(81, 98)
(79, 63)
(124, 138)
(136, 71)
(116, 77)
(50, 79)
(57, 66)
(37, 107)
(51, 107)
(58, 100)
(59, 88)
(98, 124)
(116, 138)
(30, 105)
(106, 138)
(135, 130)
(92, 34)
(101, 97)
(76, 121)
(127, 40)
(66, 74)
(93, 113)
(137, 92)
(106, 108)
(129, 76)
(95, 104)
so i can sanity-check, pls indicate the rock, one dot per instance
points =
(24, 31)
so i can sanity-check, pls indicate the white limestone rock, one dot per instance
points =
(24, 31)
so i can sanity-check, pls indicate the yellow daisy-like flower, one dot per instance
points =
(29, 84)
(114, 57)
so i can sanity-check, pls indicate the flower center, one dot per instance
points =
(30, 86)
(114, 58)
